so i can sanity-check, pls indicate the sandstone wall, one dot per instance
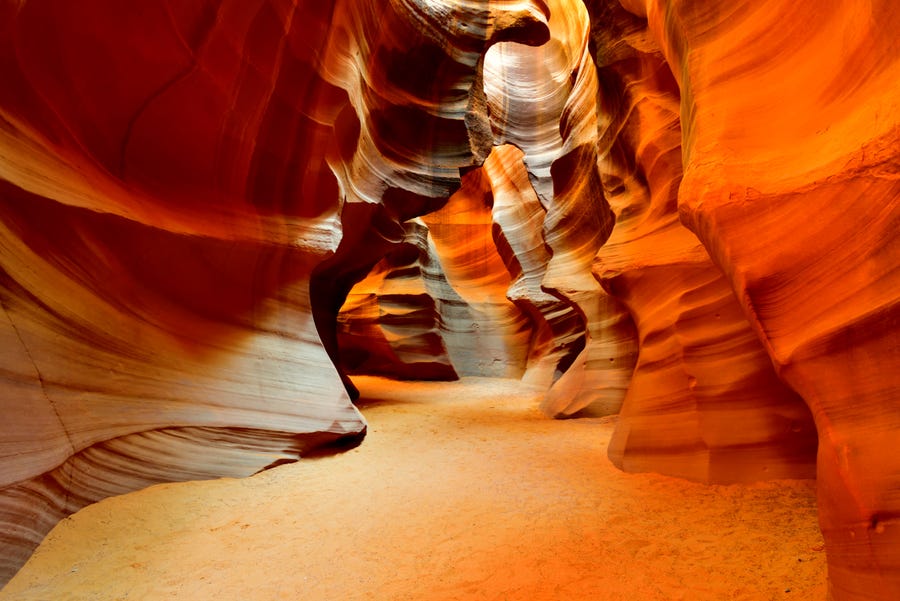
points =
(187, 193)
(516, 242)
(789, 134)
(704, 401)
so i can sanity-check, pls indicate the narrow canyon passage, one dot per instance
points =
(461, 490)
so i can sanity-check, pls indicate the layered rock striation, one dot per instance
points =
(704, 401)
(542, 101)
(392, 322)
(515, 243)
(789, 136)
(208, 211)
(186, 194)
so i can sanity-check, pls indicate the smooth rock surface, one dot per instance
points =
(523, 228)
(790, 138)
(187, 193)
(392, 322)
(704, 402)
(190, 192)
(543, 101)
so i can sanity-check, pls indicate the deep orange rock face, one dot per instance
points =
(186, 190)
(685, 211)
(790, 158)
(703, 402)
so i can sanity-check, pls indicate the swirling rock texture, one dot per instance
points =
(520, 233)
(542, 100)
(446, 294)
(489, 335)
(186, 189)
(391, 321)
(518, 217)
(190, 191)
(438, 307)
(704, 402)
(465, 298)
(790, 136)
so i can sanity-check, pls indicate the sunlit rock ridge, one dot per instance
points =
(684, 212)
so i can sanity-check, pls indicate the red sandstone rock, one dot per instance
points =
(495, 238)
(543, 101)
(489, 335)
(790, 145)
(704, 402)
(188, 194)
(392, 322)
(518, 216)
(184, 188)
(437, 307)
(472, 285)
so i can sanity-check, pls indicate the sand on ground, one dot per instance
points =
(460, 491)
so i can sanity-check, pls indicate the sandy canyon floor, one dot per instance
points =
(460, 491)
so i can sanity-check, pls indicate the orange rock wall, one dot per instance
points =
(704, 402)
(559, 331)
(515, 243)
(790, 137)
(489, 335)
(155, 263)
(187, 192)
(543, 100)
(392, 321)
(439, 307)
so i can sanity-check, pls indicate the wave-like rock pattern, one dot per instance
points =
(487, 333)
(485, 313)
(543, 100)
(518, 217)
(416, 128)
(116, 330)
(391, 322)
(188, 193)
(790, 136)
(533, 211)
(704, 402)
(184, 193)
(437, 308)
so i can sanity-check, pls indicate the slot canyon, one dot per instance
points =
(450, 299)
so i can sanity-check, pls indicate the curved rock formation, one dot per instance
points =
(704, 402)
(526, 227)
(183, 188)
(466, 292)
(518, 217)
(489, 335)
(542, 100)
(418, 127)
(391, 322)
(436, 307)
(190, 191)
(790, 136)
